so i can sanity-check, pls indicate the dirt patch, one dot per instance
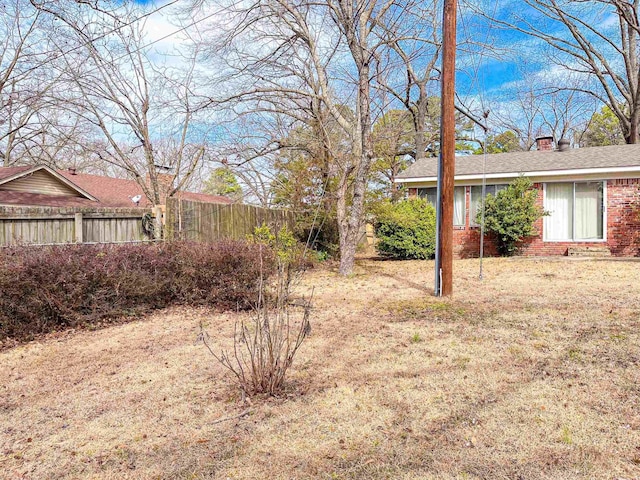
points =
(532, 373)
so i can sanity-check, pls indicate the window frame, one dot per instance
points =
(464, 207)
(464, 203)
(573, 217)
(472, 223)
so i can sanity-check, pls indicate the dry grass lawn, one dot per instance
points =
(532, 374)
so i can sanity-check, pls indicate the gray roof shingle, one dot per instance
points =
(534, 161)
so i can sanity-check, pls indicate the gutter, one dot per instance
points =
(616, 171)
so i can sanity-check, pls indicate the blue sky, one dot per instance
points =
(489, 71)
(495, 71)
(497, 54)
(492, 72)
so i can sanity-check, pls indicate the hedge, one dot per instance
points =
(406, 230)
(52, 288)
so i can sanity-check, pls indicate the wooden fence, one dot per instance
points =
(49, 225)
(183, 220)
(212, 221)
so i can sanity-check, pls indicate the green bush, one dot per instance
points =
(282, 242)
(406, 229)
(510, 215)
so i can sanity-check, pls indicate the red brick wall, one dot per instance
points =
(466, 241)
(623, 227)
(623, 221)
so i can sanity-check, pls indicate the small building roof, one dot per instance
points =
(204, 197)
(26, 199)
(117, 192)
(533, 163)
(6, 172)
(93, 190)
(110, 192)
(10, 174)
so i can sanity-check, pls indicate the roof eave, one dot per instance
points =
(532, 174)
(58, 176)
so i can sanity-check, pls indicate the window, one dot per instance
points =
(577, 211)
(459, 202)
(459, 207)
(476, 195)
(431, 194)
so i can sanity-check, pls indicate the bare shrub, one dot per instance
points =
(43, 289)
(265, 344)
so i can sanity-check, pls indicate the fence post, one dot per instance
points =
(78, 227)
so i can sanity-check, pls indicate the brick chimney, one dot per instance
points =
(165, 185)
(544, 144)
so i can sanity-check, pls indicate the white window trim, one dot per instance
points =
(473, 224)
(464, 204)
(608, 173)
(605, 208)
(464, 207)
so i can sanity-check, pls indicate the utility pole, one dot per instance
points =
(446, 168)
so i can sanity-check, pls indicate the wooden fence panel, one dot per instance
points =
(50, 225)
(14, 231)
(107, 230)
(183, 220)
(209, 222)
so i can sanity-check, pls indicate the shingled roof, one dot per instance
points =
(117, 192)
(533, 162)
(105, 191)
(6, 172)
(8, 197)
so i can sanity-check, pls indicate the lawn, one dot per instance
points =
(533, 373)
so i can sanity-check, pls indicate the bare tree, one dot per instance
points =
(62, 139)
(249, 147)
(24, 49)
(584, 41)
(414, 53)
(314, 63)
(143, 112)
(535, 106)
(394, 141)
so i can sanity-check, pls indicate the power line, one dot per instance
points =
(99, 37)
(181, 29)
(485, 113)
(478, 78)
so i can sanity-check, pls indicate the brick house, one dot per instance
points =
(592, 194)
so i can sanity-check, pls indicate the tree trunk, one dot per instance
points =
(633, 126)
(420, 120)
(347, 255)
(364, 155)
(350, 226)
